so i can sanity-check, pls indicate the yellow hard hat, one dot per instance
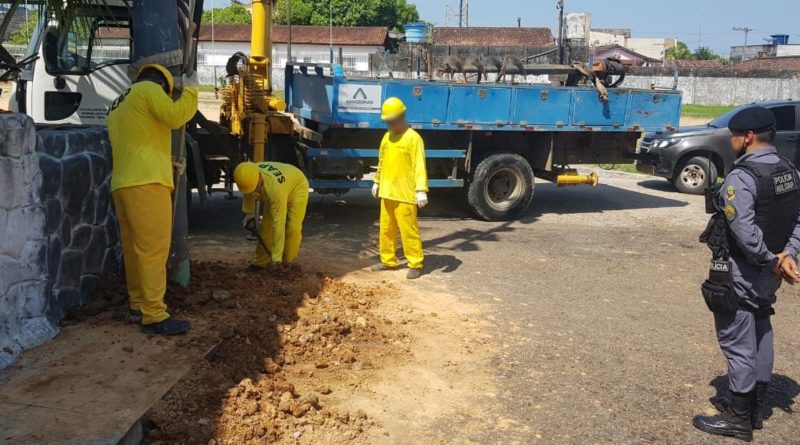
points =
(392, 109)
(246, 176)
(163, 70)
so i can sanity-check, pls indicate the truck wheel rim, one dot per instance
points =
(504, 188)
(693, 176)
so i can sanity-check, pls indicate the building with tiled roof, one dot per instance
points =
(477, 36)
(692, 64)
(786, 64)
(310, 44)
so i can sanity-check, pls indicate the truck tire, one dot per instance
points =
(694, 174)
(501, 187)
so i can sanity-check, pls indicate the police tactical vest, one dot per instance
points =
(777, 189)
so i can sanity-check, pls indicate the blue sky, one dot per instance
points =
(708, 22)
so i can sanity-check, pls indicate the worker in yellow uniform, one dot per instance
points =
(402, 184)
(140, 124)
(282, 189)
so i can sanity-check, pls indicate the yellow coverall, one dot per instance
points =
(285, 197)
(139, 127)
(401, 174)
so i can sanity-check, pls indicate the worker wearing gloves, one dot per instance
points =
(401, 182)
(283, 190)
(140, 122)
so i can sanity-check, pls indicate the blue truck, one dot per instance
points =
(491, 140)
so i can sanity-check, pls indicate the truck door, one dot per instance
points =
(83, 68)
(786, 137)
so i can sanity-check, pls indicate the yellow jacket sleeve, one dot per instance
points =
(173, 114)
(420, 171)
(380, 159)
(249, 204)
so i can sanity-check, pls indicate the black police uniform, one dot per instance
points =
(755, 217)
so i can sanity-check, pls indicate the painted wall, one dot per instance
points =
(722, 90)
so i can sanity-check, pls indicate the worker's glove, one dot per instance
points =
(191, 80)
(422, 199)
(374, 190)
(248, 219)
(179, 166)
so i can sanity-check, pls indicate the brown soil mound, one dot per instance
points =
(279, 343)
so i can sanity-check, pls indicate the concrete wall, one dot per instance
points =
(23, 247)
(58, 233)
(721, 90)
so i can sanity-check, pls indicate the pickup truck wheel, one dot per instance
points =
(501, 187)
(694, 174)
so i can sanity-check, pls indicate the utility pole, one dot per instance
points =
(745, 30)
(561, 55)
(461, 14)
(289, 21)
(330, 28)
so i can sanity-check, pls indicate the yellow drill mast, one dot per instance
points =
(249, 109)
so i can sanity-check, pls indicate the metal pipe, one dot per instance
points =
(289, 21)
(561, 32)
(570, 178)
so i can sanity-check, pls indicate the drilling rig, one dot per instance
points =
(250, 111)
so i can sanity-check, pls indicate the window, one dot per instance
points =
(785, 117)
(90, 43)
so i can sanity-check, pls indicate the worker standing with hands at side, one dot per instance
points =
(754, 236)
(401, 182)
(140, 124)
(283, 189)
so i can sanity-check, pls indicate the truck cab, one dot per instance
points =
(74, 70)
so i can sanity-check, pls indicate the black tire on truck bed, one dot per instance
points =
(501, 187)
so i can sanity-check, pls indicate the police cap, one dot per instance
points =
(755, 119)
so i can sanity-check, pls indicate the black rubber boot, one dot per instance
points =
(254, 269)
(759, 404)
(733, 422)
(722, 404)
(170, 326)
(380, 267)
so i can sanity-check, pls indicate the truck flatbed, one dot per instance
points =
(340, 102)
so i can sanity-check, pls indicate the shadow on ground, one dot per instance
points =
(781, 394)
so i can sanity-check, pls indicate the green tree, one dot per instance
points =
(678, 52)
(235, 13)
(391, 13)
(705, 53)
(23, 34)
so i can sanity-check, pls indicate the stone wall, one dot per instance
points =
(58, 232)
(80, 226)
(23, 246)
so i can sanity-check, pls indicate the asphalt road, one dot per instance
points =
(593, 298)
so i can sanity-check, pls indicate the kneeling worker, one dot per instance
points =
(283, 189)
(401, 182)
(140, 124)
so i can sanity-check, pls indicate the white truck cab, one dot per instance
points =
(80, 69)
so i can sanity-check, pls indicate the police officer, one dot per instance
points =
(754, 236)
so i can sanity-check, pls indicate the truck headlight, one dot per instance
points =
(664, 143)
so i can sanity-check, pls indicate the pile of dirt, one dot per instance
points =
(279, 347)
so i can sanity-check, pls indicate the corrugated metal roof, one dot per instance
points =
(474, 36)
(342, 35)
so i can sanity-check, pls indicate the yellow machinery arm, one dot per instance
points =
(249, 108)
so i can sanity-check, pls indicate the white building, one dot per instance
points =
(654, 48)
(310, 44)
